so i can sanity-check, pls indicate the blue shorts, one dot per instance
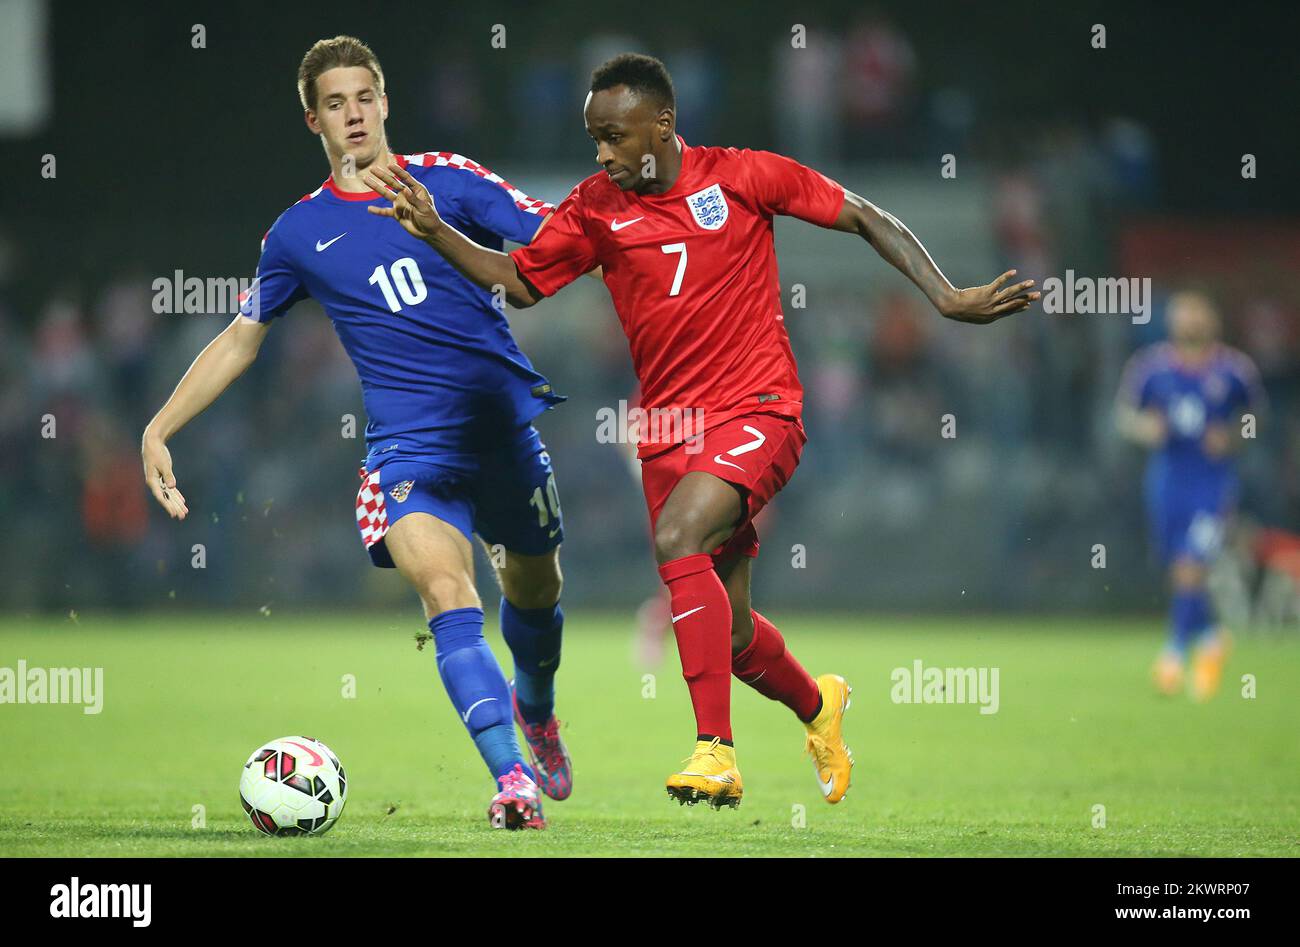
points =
(1189, 522)
(507, 495)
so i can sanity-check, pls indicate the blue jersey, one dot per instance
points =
(440, 372)
(1218, 391)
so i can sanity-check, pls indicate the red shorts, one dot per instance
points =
(756, 452)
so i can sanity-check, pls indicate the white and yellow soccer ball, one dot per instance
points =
(293, 786)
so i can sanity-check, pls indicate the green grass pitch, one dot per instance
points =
(187, 698)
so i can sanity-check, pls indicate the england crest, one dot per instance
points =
(708, 207)
(400, 492)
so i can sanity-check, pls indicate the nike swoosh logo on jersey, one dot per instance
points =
(322, 246)
(616, 226)
(465, 715)
(677, 618)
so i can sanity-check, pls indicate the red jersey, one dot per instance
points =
(693, 276)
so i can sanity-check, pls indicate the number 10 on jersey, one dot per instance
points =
(405, 279)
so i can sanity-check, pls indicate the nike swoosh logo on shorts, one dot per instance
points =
(616, 226)
(322, 246)
(759, 440)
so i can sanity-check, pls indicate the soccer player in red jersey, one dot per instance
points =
(684, 239)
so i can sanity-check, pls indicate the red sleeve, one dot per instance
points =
(561, 251)
(781, 185)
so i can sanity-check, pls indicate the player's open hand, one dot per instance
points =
(413, 206)
(159, 478)
(989, 303)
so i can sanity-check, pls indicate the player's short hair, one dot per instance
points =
(327, 54)
(643, 75)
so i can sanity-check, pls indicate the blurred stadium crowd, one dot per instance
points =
(891, 514)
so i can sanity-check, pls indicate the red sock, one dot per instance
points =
(702, 624)
(773, 671)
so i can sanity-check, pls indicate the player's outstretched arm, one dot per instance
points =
(223, 360)
(897, 245)
(414, 209)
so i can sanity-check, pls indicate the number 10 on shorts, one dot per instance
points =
(548, 504)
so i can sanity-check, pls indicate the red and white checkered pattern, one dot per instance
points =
(372, 516)
(451, 160)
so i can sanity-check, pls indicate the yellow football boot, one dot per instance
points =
(710, 776)
(832, 759)
(1167, 673)
(1207, 667)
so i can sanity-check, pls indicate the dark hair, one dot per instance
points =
(643, 75)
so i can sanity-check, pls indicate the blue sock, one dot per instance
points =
(477, 688)
(533, 635)
(499, 747)
(1189, 617)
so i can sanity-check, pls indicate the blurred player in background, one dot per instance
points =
(450, 399)
(1184, 400)
(684, 238)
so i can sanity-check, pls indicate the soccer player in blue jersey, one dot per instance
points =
(1187, 401)
(450, 400)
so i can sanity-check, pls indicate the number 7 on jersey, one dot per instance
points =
(681, 265)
